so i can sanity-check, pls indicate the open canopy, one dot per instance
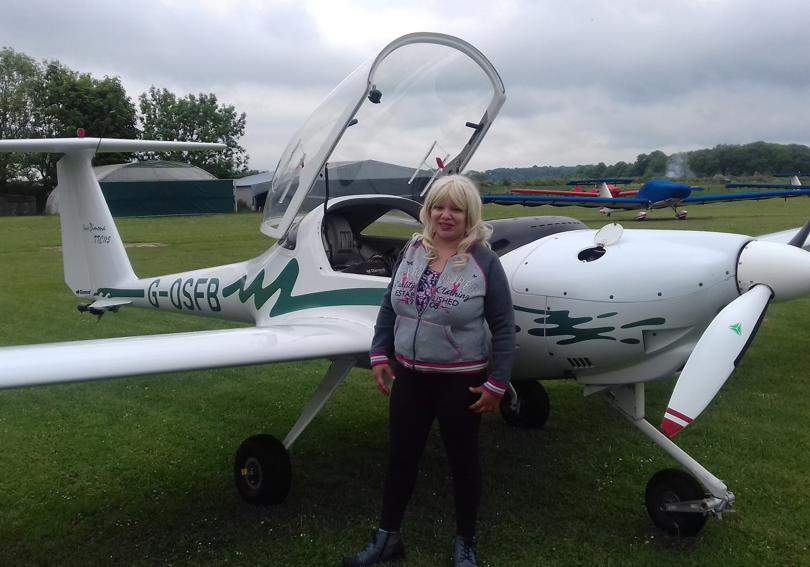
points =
(425, 102)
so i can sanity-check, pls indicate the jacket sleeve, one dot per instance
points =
(382, 345)
(501, 320)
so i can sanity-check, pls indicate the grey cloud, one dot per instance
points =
(586, 81)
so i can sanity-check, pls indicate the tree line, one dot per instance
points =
(758, 159)
(47, 99)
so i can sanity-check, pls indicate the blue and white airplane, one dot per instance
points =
(654, 194)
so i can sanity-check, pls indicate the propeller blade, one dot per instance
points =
(715, 355)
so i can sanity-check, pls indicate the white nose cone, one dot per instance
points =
(783, 268)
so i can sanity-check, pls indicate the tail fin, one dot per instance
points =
(604, 191)
(92, 250)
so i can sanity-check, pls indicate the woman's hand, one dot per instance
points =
(383, 375)
(486, 403)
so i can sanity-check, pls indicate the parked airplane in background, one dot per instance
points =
(602, 187)
(654, 194)
(316, 291)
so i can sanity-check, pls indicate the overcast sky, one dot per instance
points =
(586, 81)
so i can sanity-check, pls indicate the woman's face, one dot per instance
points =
(449, 222)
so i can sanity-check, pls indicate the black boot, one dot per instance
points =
(463, 553)
(384, 546)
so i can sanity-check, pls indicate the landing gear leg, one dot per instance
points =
(676, 501)
(680, 215)
(262, 470)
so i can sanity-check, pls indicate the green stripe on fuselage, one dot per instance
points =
(286, 303)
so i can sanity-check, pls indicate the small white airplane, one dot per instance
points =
(315, 292)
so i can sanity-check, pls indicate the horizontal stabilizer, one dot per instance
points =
(75, 361)
(108, 303)
(73, 145)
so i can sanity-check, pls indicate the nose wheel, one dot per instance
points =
(531, 407)
(262, 470)
(674, 502)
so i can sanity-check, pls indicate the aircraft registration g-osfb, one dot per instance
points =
(315, 292)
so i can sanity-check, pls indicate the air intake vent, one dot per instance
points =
(580, 363)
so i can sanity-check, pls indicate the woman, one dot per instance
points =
(430, 339)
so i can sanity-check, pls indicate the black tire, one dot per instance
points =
(262, 470)
(533, 407)
(674, 485)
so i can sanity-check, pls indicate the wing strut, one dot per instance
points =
(334, 376)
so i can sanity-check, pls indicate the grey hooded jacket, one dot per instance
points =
(450, 335)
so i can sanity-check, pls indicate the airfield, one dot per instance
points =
(137, 471)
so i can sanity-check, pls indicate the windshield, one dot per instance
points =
(388, 128)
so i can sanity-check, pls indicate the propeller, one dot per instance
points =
(765, 270)
(714, 358)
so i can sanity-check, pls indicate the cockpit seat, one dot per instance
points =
(342, 247)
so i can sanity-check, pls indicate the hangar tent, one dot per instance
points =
(157, 188)
(372, 177)
(367, 177)
(251, 191)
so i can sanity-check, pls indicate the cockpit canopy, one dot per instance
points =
(417, 110)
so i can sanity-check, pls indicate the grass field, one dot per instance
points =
(138, 471)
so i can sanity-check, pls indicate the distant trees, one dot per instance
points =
(196, 119)
(65, 100)
(730, 160)
(19, 78)
(47, 99)
(758, 158)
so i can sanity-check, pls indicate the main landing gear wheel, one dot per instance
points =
(669, 486)
(532, 408)
(262, 470)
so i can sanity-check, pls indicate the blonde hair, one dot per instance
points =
(463, 193)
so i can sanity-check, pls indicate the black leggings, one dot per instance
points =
(416, 399)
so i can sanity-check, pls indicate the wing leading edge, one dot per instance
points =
(561, 201)
(76, 361)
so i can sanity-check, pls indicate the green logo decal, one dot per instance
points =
(737, 328)
(561, 324)
(286, 303)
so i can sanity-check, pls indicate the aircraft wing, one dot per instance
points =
(306, 338)
(566, 201)
(747, 196)
(558, 192)
(763, 185)
(72, 145)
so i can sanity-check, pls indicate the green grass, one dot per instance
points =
(138, 471)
